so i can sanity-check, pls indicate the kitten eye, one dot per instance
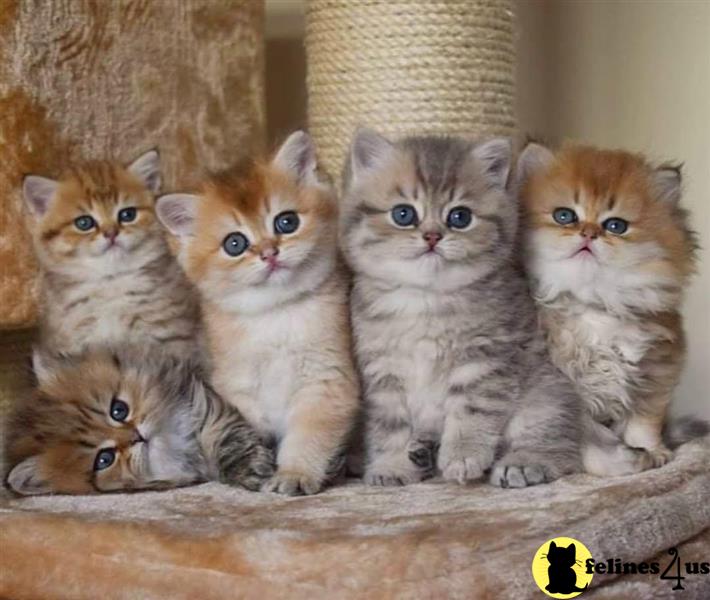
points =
(84, 223)
(127, 215)
(104, 459)
(459, 217)
(235, 244)
(616, 226)
(404, 215)
(564, 216)
(286, 222)
(119, 410)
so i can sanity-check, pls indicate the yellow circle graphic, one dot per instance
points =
(560, 567)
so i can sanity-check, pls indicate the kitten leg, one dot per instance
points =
(388, 441)
(321, 418)
(606, 455)
(542, 437)
(644, 430)
(476, 413)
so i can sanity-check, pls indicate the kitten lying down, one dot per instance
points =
(109, 421)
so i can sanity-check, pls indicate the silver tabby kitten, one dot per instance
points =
(456, 377)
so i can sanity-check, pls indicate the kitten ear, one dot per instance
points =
(297, 156)
(533, 158)
(667, 183)
(38, 193)
(496, 156)
(147, 168)
(177, 212)
(26, 478)
(368, 151)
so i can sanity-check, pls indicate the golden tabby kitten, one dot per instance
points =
(131, 419)
(609, 253)
(107, 272)
(260, 243)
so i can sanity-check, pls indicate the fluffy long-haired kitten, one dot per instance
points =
(260, 243)
(107, 273)
(456, 378)
(609, 254)
(104, 421)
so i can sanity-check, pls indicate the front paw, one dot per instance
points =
(463, 464)
(518, 476)
(659, 456)
(294, 483)
(392, 471)
(254, 471)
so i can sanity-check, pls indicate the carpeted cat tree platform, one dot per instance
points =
(399, 66)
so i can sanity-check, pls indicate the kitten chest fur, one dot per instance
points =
(602, 352)
(265, 362)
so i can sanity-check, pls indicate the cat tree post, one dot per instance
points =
(82, 79)
(408, 66)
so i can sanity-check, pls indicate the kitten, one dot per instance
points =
(106, 421)
(260, 243)
(108, 276)
(609, 254)
(444, 328)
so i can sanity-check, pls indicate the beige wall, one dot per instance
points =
(624, 73)
(632, 74)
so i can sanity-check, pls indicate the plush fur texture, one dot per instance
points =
(609, 302)
(116, 281)
(275, 305)
(456, 377)
(175, 430)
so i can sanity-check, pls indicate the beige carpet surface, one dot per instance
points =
(432, 540)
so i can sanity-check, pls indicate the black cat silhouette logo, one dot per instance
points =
(558, 568)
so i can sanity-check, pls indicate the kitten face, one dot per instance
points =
(427, 211)
(96, 217)
(603, 225)
(258, 235)
(103, 422)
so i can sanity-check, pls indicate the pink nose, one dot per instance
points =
(269, 254)
(111, 234)
(432, 238)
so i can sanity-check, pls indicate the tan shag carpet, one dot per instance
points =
(431, 540)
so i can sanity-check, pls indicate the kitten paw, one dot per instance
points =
(292, 483)
(659, 456)
(390, 479)
(257, 469)
(517, 476)
(464, 464)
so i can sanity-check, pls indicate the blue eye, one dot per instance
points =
(84, 223)
(127, 215)
(404, 215)
(104, 459)
(459, 217)
(564, 216)
(119, 410)
(286, 222)
(235, 244)
(616, 226)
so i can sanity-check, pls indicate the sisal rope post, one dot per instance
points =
(408, 66)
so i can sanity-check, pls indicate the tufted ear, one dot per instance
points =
(38, 193)
(297, 156)
(533, 158)
(496, 156)
(177, 212)
(147, 168)
(667, 183)
(26, 478)
(369, 150)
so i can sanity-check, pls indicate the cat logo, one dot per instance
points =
(558, 568)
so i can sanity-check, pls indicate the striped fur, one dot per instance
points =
(456, 378)
(178, 431)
